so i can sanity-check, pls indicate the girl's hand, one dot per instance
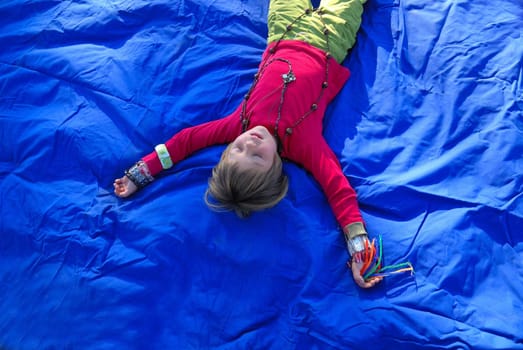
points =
(356, 266)
(123, 187)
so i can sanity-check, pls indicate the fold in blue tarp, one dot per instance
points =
(429, 130)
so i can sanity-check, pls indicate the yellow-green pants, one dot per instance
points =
(341, 17)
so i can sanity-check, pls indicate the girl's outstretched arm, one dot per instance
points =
(178, 147)
(316, 156)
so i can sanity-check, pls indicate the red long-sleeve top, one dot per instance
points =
(306, 145)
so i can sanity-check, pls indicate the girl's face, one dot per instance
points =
(254, 149)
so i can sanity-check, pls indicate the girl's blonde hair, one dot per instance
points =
(245, 191)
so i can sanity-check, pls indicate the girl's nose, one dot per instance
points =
(250, 144)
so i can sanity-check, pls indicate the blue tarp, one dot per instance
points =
(429, 130)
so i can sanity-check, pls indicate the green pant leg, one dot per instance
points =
(343, 19)
(281, 14)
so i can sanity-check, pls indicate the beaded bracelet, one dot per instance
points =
(139, 174)
(164, 156)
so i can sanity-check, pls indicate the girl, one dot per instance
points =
(280, 117)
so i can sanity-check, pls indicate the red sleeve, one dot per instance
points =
(318, 158)
(192, 139)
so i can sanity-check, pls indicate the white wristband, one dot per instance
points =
(356, 245)
(355, 237)
(164, 156)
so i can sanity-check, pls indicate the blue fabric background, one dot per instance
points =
(429, 131)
